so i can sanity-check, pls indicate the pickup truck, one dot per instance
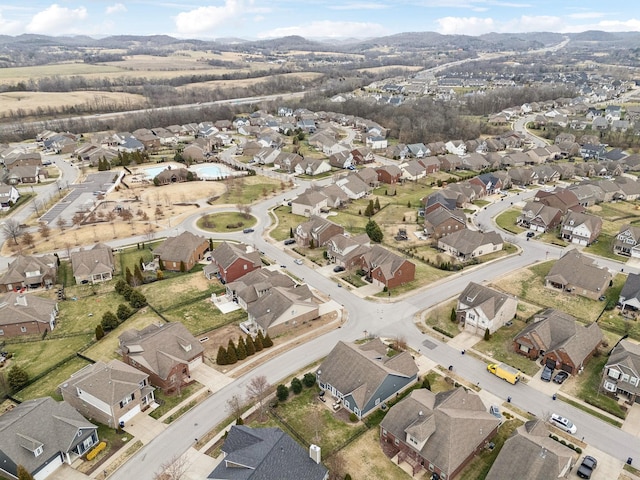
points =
(505, 372)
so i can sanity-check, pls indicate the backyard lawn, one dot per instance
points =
(47, 385)
(84, 314)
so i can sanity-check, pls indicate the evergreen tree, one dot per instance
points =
(453, 317)
(377, 204)
(258, 342)
(309, 380)
(373, 231)
(222, 359)
(137, 299)
(210, 244)
(312, 244)
(251, 349)
(267, 342)
(120, 286)
(109, 321)
(282, 392)
(123, 312)
(160, 264)
(137, 273)
(291, 232)
(183, 268)
(99, 332)
(128, 277)
(17, 378)
(241, 349)
(296, 385)
(231, 354)
(487, 335)
(231, 347)
(126, 294)
(369, 210)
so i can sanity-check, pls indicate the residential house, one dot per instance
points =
(531, 454)
(442, 221)
(42, 434)
(312, 166)
(344, 250)
(621, 374)
(287, 161)
(578, 274)
(310, 202)
(25, 174)
(523, 176)
(450, 162)
(369, 176)
(279, 309)
(413, 171)
(456, 147)
(230, 261)
(172, 175)
(630, 189)
(588, 194)
(29, 272)
(630, 294)
(385, 268)
(438, 433)
(539, 217)
(94, 265)
(181, 253)
(361, 377)
(431, 164)
(109, 393)
(248, 288)
(389, 174)
(9, 195)
(580, 228)
(22, 314)
(376, 142)
(316, 232)
(559, 340)
(362, 156)
(353, 186)
(418, 150)
(445, 198)
(342, 159)
(336, 197)
(166, 352)
(560, 198)
(480, 308)
(475, 161)
(590, 151)
(467, 244)
(545, 174)
(265, 453)
(195, 152)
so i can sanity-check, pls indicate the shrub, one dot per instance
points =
(267, 342)
(353, 417)
(309, 380)
(296, 385)
(578, 450)
(99, 332)
(426, 384)
(109, 321)
(123, 312)
(137, 299)
(282, 392)
(93, 453)
(17, 378)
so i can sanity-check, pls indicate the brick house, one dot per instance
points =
(317, 230)
(442, 221)
(559, 339)
(181, 253)
(578, 274)
(29, 272)
(22, 315)
(385, 268)
(231, 261)
(437, 433)
(167, 353)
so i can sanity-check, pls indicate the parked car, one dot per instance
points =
(561, 376)
(547, 373)
(248, 230)
(289, 241)
(587, 467)
(338, 268)
(298, 261)
(563, 423)
(530, 234)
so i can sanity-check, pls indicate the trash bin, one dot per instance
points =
(121, 424)
(629, 460)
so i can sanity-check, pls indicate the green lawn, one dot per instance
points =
(84, 314)
(226, 222)
(286, 222)
(440, 317)
(167, 402)
(202, 316)
(38, 357)
(507, 221)
(247, 190)
(604, 247)
(47, 386)
(590, 385)
(180, 289)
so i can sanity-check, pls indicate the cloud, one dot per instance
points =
(203, 19)
(465, 25)
(10, 27)
(115, 8)
(359, 6)
(480, 26)
(328, 29)
(56, 20)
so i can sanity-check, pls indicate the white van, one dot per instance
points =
(563, 423)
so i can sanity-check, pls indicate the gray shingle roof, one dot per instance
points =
(265, 454)
(578, 270)
(98, 259)
(180, 248)
(19, 308)
(487, 299)
(227, 253)
(466, 241)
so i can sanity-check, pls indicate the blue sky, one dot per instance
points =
(259, 19)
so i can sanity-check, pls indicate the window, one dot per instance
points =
(613, 373)
(23, 329)
(38, 451)
(1, 332)
(397, 442)
(384, 432)
(524, 348)
(625, 377)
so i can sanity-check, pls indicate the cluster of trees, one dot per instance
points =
(282, 391)
(244, 348)
(111, 320)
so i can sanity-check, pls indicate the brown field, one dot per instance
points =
(389, 67)
(30, 101)
(247, 82)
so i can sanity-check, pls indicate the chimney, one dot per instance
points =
(314, 453)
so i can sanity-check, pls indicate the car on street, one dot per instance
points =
(563, 423)
(338, 268)
(587, 467)
(546, 374)
(530, 234)
(298, 261)
(283, 266)
(560, 377)
(248, 230)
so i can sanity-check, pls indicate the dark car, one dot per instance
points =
(289, 241)
(587, 467)
(561, 376)
(547, 373)
(248, 230)
(338, 268)
(530, 234)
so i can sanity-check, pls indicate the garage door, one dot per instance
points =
(130, 414)
(48, 469)
(195, 362)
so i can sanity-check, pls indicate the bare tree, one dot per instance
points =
(12, 228)
(27, 239)
(173, 469)
(235, 405)
(36, 207)
(111, 216)
(149, 231)
(44, 230)
(257, 389)
(77, 219)
(61, 224)
(337, 466)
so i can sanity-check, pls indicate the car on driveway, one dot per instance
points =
(338, 268)
(560, 377)
(563, 423)
(547, 373)
(289, 241)
(587, 467)
(530, 234)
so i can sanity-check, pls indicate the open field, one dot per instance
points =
(40, 101)
(47, 385)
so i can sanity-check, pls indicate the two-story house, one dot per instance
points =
(581, 228)
(627, 241)
(621, 374)
(481, 307)
(230, 261)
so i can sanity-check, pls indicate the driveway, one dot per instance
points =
(210, 377)
(144, 428)
(632, 422)
(608, 466)
(66, 472)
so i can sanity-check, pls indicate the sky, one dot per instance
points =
(313, 19)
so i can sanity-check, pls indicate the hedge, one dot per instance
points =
(93, 453)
